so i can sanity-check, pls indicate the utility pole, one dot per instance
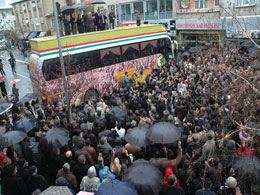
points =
(61, 60)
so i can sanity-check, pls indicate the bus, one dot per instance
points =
(96, 62)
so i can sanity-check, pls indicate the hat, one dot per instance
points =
(66, 167)
(231, 182)
(62, 181)
(32, 169)
(170, 118)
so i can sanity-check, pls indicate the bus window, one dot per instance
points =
(148, 48)
(130, 52)
(51, 69)
(81, 61)
(95, 59)
(110, 56)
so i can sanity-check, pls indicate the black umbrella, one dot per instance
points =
(163, 133)
(186, 53)
(11, 138)
(247, 168)
(3, 101)
(27, 98)
(116, 114)
(84, 6)
(137, 136)
(68, 9)
(145, 177)
(116, 187)
(98, 2)
(25, 125)
(56, 139)
(248, 44)
(5, 107)
(61, 131)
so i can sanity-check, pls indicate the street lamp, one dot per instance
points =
(61, 60)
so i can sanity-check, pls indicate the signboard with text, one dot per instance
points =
(198, 24)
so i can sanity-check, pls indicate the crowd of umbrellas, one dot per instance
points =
(140, 178)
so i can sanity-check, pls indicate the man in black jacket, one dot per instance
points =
(172, 188)
(13, 183)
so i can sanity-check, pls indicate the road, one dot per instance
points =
(25, 85)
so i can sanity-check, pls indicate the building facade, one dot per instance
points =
(6, 16)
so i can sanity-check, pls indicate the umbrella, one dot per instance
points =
(84, 6)
(247, 168)
(254, 53)
(61, 131)
(5, 107)
(145, 177)
(193, 49)
(57, 190)
(116, 114)
(25, 125)
(247, 44)
(28, 97)
(13, 82)
(116, 187)
(11, 138)
(68, 9)
(137, 136)
(56, 139)
(186, 53)
(98, 2)
(163, 133)
(3, 101)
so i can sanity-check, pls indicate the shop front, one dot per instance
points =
(193, 33)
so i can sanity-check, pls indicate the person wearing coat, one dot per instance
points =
(105, 148)
(15, 92)
(90, 182)
(66, 25)
(13, 183)
(67, 174)
(36, 181)
(80, 24)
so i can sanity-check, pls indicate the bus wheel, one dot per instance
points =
(91, 94)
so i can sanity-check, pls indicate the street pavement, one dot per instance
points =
(25, 85)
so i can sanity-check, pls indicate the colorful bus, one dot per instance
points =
(95, 63)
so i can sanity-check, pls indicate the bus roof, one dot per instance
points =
(43, 45)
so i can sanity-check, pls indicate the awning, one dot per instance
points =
(25, 34)
(32, 35)
(42, 34)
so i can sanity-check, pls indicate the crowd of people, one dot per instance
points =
(198, 94)
(88, 22)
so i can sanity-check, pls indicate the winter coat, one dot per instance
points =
(14, 184)
(36, 182)
(106, 151)
(90, 181)
(168, 172)
(69, 176)
(80, 171)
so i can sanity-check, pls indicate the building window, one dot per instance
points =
(39, 4)
(37, 23)
(201, 4)
(29, 6)
(33, 5)
(165, 9)
(31, 21)
(42, 20)
(245, 2)
(151, 10)
(126, 12)
(216, 3)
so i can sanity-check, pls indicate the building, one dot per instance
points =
(29, 17)
(6, 15)
(198, 22)
(240, 19)
(35, 17)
